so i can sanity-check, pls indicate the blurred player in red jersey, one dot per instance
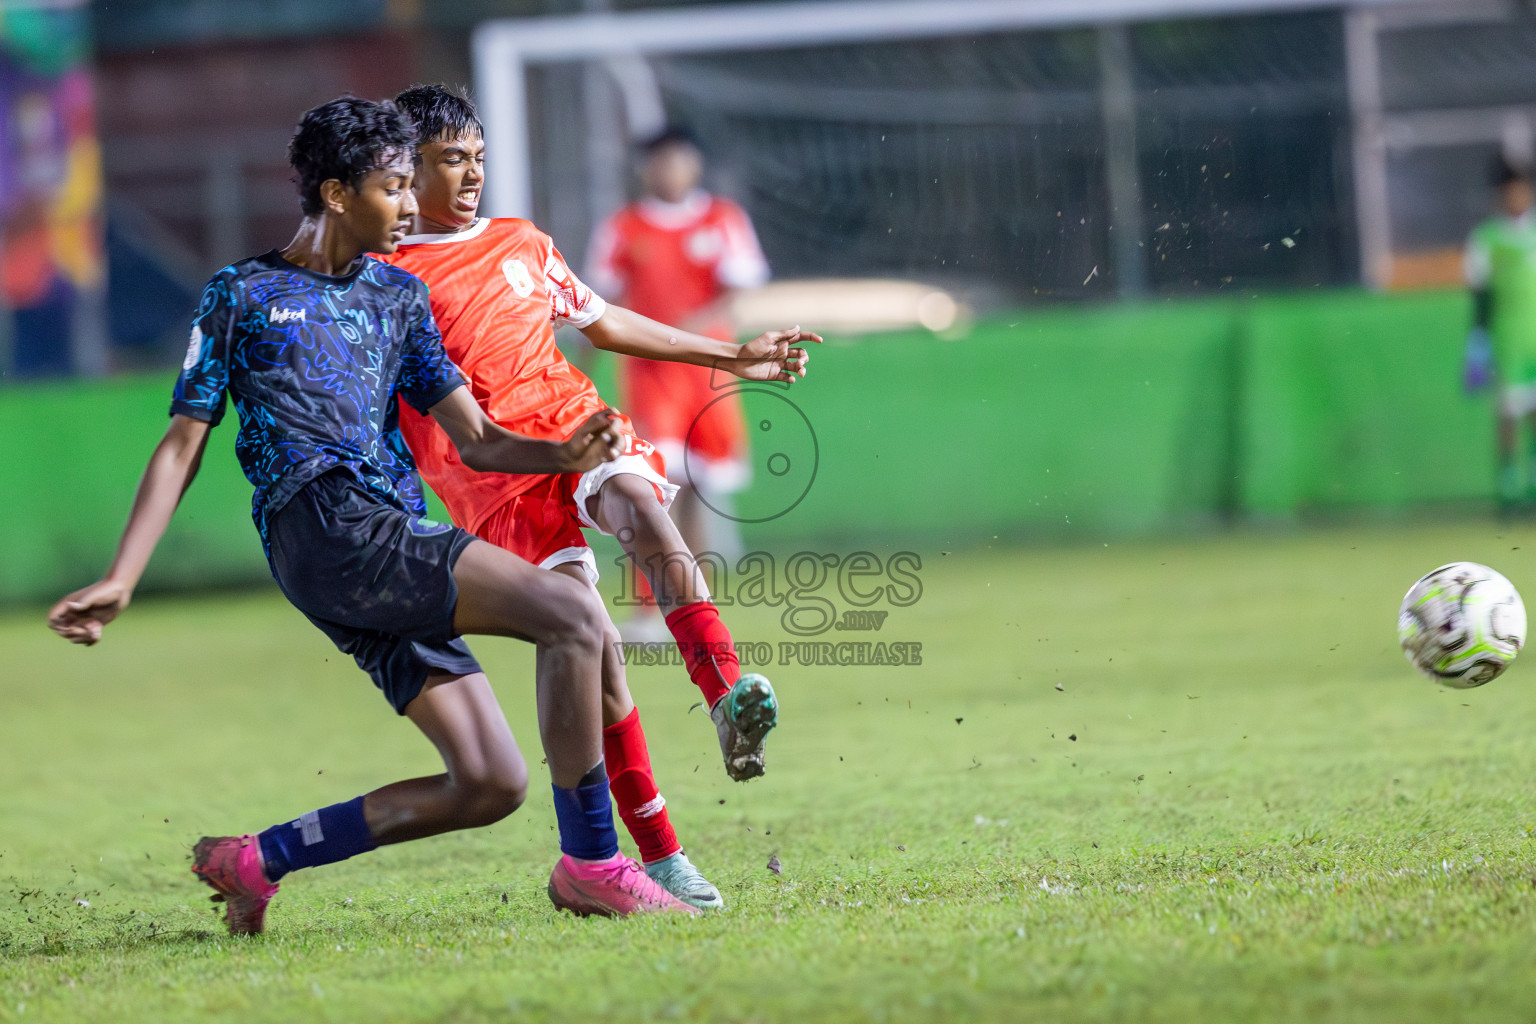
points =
(677, 255)
(498, 288)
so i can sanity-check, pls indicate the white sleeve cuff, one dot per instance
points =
(742, 273)
(588, 315)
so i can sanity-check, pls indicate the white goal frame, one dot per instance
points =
(504, 50)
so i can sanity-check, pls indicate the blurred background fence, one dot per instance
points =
(1209, 248)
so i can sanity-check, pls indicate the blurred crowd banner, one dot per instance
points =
(52, 271)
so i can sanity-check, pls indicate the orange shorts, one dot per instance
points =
(543, 524)
(694, 415)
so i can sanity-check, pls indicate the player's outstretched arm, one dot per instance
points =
(81, 616)
(487, 446)
(770, 356)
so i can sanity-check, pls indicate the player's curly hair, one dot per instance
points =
(440, 113)
(345, 139)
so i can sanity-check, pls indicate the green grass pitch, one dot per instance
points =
(1239, 804)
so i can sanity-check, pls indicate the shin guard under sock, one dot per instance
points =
(707, 649)
(320, 837)
(585, 816)
(633, 785)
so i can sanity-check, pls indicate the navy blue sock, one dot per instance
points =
(586, 818)
(320, 837)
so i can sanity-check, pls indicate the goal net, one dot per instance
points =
(1014, 164)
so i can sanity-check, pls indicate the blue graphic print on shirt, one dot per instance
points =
(314, 364)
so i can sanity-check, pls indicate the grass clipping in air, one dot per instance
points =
(1181, 782)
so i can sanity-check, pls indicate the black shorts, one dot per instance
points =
(377, 581)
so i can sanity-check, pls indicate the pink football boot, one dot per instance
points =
(615, 887)
(231, 865)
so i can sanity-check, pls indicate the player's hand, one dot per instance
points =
(595, 442)
(81, 616)
(773, 356)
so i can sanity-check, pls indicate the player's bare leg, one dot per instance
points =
(688, 513)
(626, 507)
(633, 783)
(743, 707)
(486, 777)
(485, 780)
(502, 595)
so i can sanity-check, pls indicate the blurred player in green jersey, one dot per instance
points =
(1501, 349)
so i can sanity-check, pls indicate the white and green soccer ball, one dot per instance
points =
(1462, 624)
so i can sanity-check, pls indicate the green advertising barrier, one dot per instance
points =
(1129, 419)
(72, 456)
(1056, 425)
(1354, 401)
(1052, 423)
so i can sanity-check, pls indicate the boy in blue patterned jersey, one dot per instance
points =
(316, 344)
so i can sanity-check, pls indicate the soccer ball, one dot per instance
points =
(1462, 624)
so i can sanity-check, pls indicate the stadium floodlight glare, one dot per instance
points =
(505, 48)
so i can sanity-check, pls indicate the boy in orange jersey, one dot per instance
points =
(498, 289)
(676, 255)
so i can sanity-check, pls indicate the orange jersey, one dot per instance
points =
(499, 288)
(667, 261)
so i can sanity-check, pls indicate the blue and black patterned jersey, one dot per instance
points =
(314, 364)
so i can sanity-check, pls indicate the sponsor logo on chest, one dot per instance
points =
(285, 316)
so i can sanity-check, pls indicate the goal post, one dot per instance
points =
(505, 48)
(1101, 116)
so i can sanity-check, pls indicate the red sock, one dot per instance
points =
(634, 789)
(707, 648)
